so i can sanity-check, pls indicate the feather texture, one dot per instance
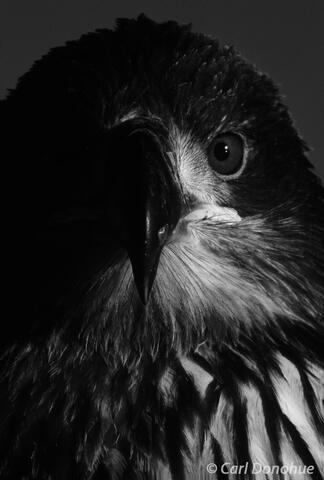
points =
(224, 366)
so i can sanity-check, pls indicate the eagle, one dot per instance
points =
(164, 309)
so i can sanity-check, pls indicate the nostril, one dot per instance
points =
(163, 234)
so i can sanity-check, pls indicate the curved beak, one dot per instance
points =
(148, 200)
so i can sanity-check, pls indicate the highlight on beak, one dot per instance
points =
(148, 197)
(145, 257)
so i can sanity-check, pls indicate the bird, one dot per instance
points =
(166, 280)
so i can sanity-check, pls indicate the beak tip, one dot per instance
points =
(144, 280)
(144, 296)
(144, 287)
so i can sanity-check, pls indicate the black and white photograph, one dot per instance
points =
(162, 170)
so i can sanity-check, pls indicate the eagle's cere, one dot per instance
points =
(168, 268)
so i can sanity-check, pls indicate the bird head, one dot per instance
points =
(165, 188)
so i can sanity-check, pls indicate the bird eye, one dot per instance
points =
(226, 154)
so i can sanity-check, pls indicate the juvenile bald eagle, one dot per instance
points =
(167, 267)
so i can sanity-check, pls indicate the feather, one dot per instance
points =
(224, 364)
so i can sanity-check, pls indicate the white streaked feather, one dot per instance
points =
(259, 442)
(289, 391)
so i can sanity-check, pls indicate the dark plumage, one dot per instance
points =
(151, 152)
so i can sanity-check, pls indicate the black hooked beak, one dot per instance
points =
(149, 201)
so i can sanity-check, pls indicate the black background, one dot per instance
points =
(283, 38)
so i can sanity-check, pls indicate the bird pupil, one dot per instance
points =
(221, 151)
